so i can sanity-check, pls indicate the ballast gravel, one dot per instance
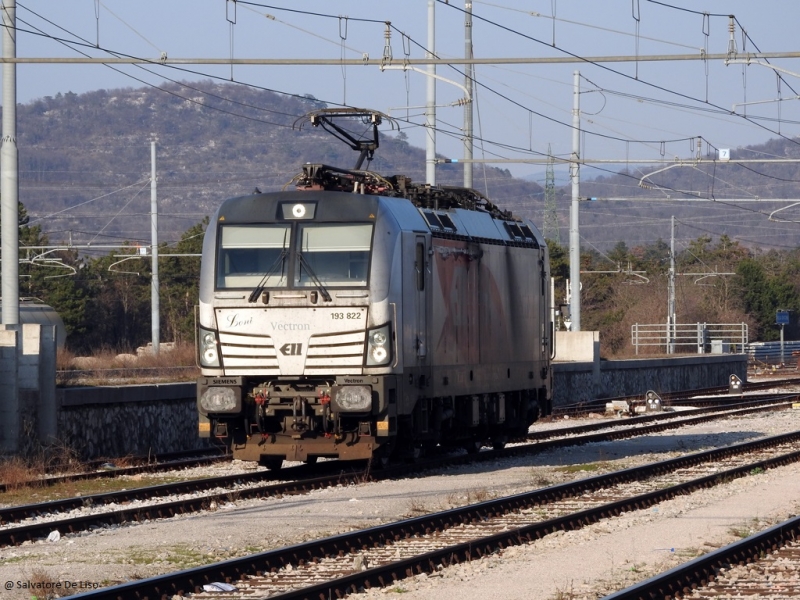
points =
(581, 564)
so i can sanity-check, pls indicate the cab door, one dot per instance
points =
(421, 284)
(416, 338)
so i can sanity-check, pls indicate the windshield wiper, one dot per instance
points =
(304, 263)
(260, 287)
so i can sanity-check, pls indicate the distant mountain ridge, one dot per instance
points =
(85, 159)
(85, 167)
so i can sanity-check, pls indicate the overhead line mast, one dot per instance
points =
(9, 173)
(551, 228)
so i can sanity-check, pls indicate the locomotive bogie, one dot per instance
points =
(347, 417)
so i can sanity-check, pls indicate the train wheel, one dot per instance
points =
(499, 443)
(379, 461)
(272, 463)
(383, 455)
(311, 460)
(411, 454)
(473, 446)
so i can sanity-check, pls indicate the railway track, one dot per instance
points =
(710, 411)
(764, 565)
(181, 460)
(104, 469)
(31, 522)
(382, 555)
(698, 397)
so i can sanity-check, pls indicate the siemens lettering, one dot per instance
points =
(290, 326)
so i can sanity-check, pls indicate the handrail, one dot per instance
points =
(701, 336)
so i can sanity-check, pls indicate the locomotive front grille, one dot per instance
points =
(336, 353)
(326, 354)
(245, 354)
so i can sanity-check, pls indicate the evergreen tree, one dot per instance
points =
(49, 275)
(180, 280)
(119, 302)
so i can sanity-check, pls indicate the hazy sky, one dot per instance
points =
(628, 109)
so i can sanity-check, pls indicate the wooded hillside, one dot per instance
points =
(85, 178)
(84, 160)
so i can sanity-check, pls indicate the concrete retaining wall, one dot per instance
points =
(112, 421)
(115, 421)
(582, 381)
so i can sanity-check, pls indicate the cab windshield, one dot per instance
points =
(250, 255)
(261, 256)
(333, 254)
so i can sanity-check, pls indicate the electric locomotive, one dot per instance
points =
(361, 316)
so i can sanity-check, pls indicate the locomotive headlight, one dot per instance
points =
(219, 395)
(209, 351)
(379, 354)
(378, 346)
(210, 356)
(351, 398)
(218, 400)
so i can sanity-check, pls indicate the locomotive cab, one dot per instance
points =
(297, 328)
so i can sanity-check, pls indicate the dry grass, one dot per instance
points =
(416, 507)
(175, 362)
(470, 496)
(601, 467)
(17, 472)
(564, 594)
(26, 470)
(60, 457)
(745, 529)
(36, 493)
(541, 480)
(480, 495)
(44, 586)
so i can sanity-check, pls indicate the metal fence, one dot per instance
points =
(773, 353)
(685, 338)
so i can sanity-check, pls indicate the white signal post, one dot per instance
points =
(574, 215)
(155, 306)
(9, 171)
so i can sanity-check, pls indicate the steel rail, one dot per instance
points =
(682, 580)
(545, 441)
(637, 431)
(17, 535)
(13, 514)
(668, 397)
(644, 418)
(192, 580)
(164, 464)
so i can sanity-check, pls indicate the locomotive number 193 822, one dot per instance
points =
(341, 315)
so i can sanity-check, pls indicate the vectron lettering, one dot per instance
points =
(278, 326)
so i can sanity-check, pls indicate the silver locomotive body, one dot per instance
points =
(357, 325)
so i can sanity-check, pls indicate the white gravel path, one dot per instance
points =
(582, 564)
